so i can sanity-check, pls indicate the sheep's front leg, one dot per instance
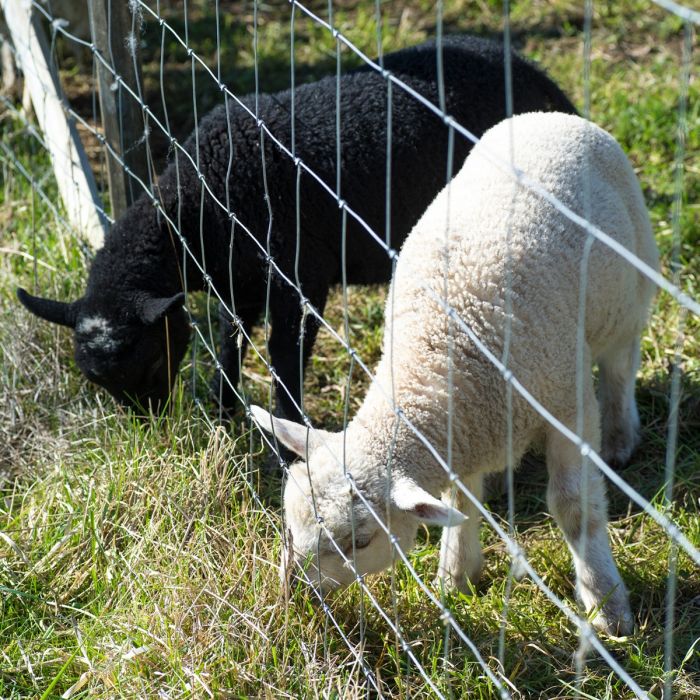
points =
(460, 549)
(576, 498)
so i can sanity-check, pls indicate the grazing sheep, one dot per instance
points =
(136, 280)
(497, 231)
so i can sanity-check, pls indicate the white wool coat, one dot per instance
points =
(483, 235)
(548, 300)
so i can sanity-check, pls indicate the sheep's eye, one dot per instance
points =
(361, 541)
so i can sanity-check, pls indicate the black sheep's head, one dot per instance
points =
(131, 349)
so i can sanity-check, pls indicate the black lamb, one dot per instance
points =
(131, 330)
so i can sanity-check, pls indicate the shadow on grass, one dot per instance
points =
(645, 472)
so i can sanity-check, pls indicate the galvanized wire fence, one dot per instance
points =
(158, 120)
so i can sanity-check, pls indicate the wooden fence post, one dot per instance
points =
(122, 115)
(73, 175)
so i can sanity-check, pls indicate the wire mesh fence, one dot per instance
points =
(207, 222)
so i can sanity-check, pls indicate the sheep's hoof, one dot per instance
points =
(614, 623)
(618, 447)
(449, 584)
(463, 582)
(610, 615)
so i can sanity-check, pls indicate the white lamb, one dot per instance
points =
(494, 225)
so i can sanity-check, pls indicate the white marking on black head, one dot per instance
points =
(102, 335)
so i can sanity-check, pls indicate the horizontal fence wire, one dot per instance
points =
(204, 338)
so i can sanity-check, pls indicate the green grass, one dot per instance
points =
(139, 558)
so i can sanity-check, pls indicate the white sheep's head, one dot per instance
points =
(326, 515)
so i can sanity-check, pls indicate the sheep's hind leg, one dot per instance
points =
(576, 498)
(460, 550)
(620, 419)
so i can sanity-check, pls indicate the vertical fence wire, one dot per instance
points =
(507, 335)
(674, 398)
(582, 360)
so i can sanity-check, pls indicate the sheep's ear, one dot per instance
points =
(291, 435)
(54, 311)
(152, 309)
(411, 498)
